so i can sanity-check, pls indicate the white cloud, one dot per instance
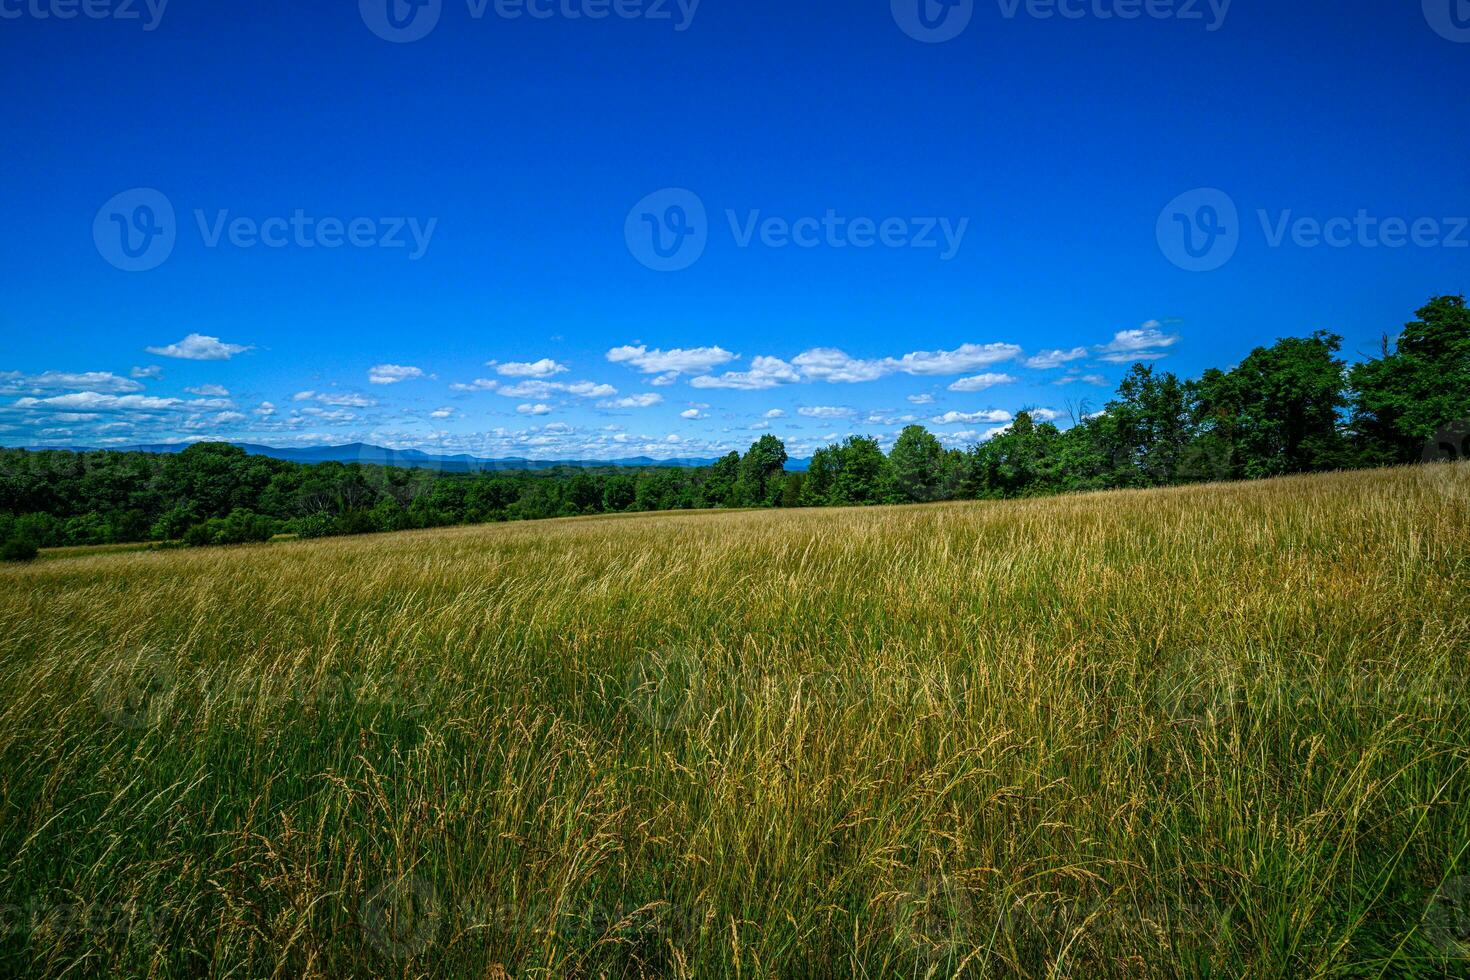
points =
(543, 368)
(225, 417)
(15, 383)
(537, 409)
(545, 389)
(775, 413)
(442, 413)
(694, 360)
(765, 372)
(265, 410)
(1092, 379)
(634, 401)
(152, 371)
(1147, 343)
(1044, 414)
(833, 365)
(969, 418)
(692, 413)
(392, 374)
(479, 384)
(965, 357)
(825, 411)
(1055, 358)
(921, 399)
(198, 347)
(302, 396)
(980, 382)
(664, 380)
(346, 401)
(98, 402)
(209, 391)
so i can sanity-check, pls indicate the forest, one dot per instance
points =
(1296, 406)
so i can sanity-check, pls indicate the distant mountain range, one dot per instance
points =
(359, 452)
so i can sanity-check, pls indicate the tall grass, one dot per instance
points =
(1220, 730)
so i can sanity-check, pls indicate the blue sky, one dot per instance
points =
(441, 234)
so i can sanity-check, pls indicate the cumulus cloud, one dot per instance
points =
(392, 374)
(92, 401)
(965, 357)
(765, 372)
(634, 401)
(1147, 343)
(479, 384)
(537, 409)
(1055, 358)
(825, 411)
(17, 383)
(980, 382)
(775, 413)
(265, 410)
(545, 389)
(693, 360)
(209, 391)
(921, 399)
(198, 347)
(442, 413)
(345, 401)
(543, 368)
(692, 414)
(1092, 379)
(153, 371)
(835, 366)
(969, 418)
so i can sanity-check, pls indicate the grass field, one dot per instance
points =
(1219, 730)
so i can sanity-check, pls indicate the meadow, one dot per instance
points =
(1220, 730)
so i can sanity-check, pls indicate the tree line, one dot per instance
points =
(1293, 407)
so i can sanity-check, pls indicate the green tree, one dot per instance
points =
(765, 459)
(1420, 384)
(862, 472)
(915, 467)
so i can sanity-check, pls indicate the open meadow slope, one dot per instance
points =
(1221, 729)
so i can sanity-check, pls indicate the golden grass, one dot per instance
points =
(1216, 730)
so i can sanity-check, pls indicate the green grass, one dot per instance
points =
(1215, 731)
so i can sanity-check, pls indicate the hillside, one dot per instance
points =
(1221, 728)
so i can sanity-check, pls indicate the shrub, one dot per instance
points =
(18, 549)
(315, 526)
